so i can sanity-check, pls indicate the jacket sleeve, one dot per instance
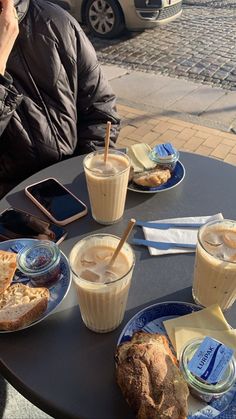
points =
(9, 100)
(96, 101)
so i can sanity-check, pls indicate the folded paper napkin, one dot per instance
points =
(177, 235)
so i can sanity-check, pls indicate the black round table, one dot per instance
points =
(61, 366)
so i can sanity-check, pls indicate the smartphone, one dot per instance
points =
(57, 202)
(15, 224)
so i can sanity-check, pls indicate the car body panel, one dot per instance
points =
(134, 19)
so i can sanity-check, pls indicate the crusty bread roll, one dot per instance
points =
(21, 305)
(152, 178)
(8, 267)
(150, 379)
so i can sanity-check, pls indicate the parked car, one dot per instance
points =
(108, 18)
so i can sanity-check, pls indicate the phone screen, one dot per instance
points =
(56, 199)
(16, 224)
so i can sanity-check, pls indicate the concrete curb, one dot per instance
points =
(173, 97)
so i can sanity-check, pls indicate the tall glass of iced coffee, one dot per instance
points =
(107, 184)
(102, 289)
(215, 264)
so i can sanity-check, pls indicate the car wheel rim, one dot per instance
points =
(101, 16)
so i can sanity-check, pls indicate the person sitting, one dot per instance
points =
(54, 99)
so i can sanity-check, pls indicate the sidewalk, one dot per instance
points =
(194, 117)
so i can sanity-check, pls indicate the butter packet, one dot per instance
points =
(210, 361)
(164, 150)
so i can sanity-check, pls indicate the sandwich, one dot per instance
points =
(147, 373)
(8, 265)
(21, 305)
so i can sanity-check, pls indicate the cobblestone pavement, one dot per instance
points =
(200, 46)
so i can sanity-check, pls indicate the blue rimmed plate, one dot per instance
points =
(176, 178)
(58, 291)
(150, 319)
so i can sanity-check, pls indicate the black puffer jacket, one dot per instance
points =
(54, 100)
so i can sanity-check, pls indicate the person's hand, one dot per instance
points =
(9, 30)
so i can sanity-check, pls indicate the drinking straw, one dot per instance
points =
(107, 141)
(122, 240)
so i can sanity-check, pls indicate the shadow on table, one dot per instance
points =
(86, 225)
(66, 334)
(79, 188)
(3, 395)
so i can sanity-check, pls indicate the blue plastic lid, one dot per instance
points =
(164, 153)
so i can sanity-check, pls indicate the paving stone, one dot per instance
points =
(142, 130)
(224, 108)
(153, 121)
(151, 137)
(132, 110)
(203, 150)
(233, 150)
(181, 123)
(193, 143)
(198, 100)
(112, 72)
(221, 75)
(202, 134)
(166, 96)
(178, 143)
(168, 136)
(126, 142)
(186, 134)
(127, 130)
(230, 158)
(212, 141)
(175, 127)
(229, 142)
(161, 127)
(221, 151)
(126, 86)
(135, 137)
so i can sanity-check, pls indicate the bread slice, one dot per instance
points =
(21, 305)
(8, 267)
(150, 379)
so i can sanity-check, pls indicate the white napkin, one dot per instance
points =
(177, 235)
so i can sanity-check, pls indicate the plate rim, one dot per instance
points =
(58, 304)
(161, 190)
(150, 307)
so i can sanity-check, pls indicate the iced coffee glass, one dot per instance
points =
(102, 290)
(215, 264)
(107, 184)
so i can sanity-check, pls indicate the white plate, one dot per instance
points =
(58, 291)
(176, 178)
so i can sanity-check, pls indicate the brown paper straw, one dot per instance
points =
(122, 240)
(107, 140)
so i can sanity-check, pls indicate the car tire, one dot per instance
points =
(104, 18)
